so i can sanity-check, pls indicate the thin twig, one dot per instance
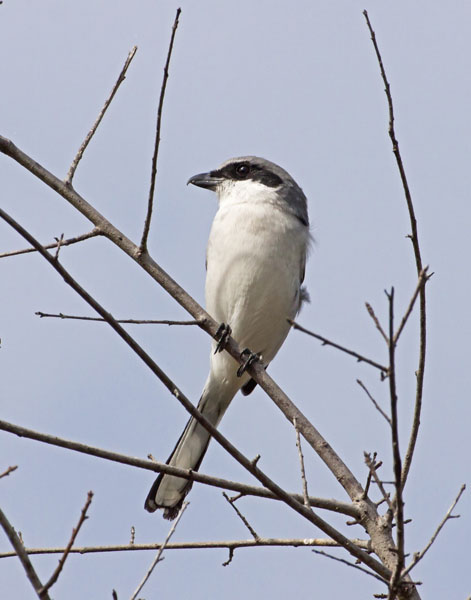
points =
(419, 555)
(370, 463)
(90, 134)
(74, 240)
(8, 471)
(370, 473)
(371, 312)
(158, 558)
(349, 564)
(249, 543)
(418, 262)
(326, 342)
(301, 464)
(60, 241)
(150, 202)
(128, 321)
(376, 405)
(55, 575)
(397, 466)
(423, 278)
(22, 555)
(242, 518)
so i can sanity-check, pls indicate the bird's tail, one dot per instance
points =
(168, 491)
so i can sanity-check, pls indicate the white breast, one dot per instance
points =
(256, 253)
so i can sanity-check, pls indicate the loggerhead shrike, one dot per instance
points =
(255, 265)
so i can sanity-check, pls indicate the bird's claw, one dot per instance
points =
(222, 336)
(249, 358)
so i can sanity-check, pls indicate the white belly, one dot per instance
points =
(254, 262)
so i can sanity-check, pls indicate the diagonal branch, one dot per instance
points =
(150, 202)
(55, 575)
(91, 133)
(306, 512)
(8, 471)
(256, 370)
(22, 555)
(348, 563)
(419, 555)
(157, 467)
(423, 278)
(158, 558)
(326, 342)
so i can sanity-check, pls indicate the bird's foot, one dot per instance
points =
(222, 336)
(249, 358)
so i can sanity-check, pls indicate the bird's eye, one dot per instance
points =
(241, 171)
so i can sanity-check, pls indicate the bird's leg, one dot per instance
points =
(249, 358)
(222, 336)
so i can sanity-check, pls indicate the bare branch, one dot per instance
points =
(349, 564)
(158, 558)
(23, 556)
(301, 464)
(371, 312)
(74, 240)
(55, 575)
(423, 278)
(8, 471)
(91, 133)
(418, 262)
(343, 474)
(326, 342)
(376, 405)
(157, 467)
(150, 202)
(59, 241)
(419, 555)
(397, 466)
(372, 466)
(241, 517)
(256, 370)
(250, 543)
(127, 321)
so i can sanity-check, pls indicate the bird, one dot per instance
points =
(255, 266)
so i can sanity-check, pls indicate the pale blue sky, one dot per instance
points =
(297, 83)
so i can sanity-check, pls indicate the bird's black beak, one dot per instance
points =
(209, 181)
